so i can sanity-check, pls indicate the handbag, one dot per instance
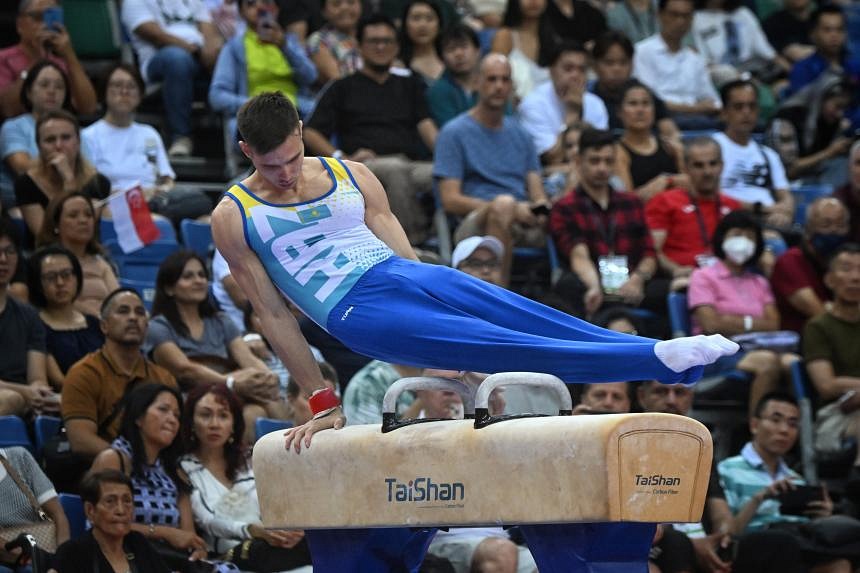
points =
(44, 530)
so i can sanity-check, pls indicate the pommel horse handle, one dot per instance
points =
(482, 396)
(389, 401)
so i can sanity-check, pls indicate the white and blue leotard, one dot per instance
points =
(324, 258)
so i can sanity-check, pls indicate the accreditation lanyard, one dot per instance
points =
(700, 218)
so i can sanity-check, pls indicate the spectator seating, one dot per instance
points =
(96, 33)
(715, 401)
(45, 427)
(264, 426)
(74, 508)
(804, 195)
(145, 288)
(13, 432)
(197, 236)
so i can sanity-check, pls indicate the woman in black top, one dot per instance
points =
(55, 281)
(646, 165)
(60, 169)
(110, 546)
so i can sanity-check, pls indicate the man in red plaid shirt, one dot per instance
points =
(604, 235)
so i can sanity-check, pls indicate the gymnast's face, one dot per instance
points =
(282, 166)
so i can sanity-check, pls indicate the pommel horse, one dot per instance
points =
(586, 491)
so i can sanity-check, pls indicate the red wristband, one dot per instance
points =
(323, 400)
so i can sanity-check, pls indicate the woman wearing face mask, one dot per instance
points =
(730, 298)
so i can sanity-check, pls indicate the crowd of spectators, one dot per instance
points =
(654, 145)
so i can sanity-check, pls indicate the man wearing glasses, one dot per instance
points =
(38, 41)
(381, 119)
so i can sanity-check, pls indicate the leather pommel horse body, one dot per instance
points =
(585, 490)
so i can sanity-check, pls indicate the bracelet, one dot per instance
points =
(322, 400)
(324, 413)
(230, 382)
(748, 323)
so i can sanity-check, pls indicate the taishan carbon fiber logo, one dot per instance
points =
(424, 489)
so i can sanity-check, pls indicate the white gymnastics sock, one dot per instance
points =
(679, 354)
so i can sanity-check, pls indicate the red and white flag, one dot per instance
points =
(132, 220)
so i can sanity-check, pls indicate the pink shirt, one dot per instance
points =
(14, 60)
(716, 286)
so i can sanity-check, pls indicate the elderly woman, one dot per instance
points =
(111, 545)
(70, 222)
(55, 283)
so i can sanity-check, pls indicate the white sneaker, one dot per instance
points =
(181, 147)
(680, 354)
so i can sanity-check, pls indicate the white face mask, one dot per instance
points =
(738, 249)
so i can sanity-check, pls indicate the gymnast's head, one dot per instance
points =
(270, 135)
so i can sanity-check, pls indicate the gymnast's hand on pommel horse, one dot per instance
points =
(586, 491)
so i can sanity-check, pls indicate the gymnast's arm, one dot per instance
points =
(279, 325)
(377, 214)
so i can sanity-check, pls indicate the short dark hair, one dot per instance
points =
(728, 88)
(8, 230)
(816, 15)
(610, 38)
(103, 309)
(562, 48)
(609, 315)
(127, 68)
(374, 19)
(592, 138)
(49, 234)
(701, 141)
(406, 46)
(33, 74)
(90, 488)
(266, 120)
(328, 373)
(776, 396)
(459, 33)
(738, 220)
(850, 248)
(34, 278)
(661, 4)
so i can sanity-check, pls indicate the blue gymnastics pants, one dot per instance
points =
(415, 314)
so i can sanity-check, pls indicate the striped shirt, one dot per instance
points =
(744, 476)
(362, 400)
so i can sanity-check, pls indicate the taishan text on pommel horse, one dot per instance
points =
(586, 491)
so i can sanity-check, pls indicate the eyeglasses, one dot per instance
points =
(51, 277)
(381, 42)
(777, 420)
(123, 86)
(476, 264)
(9, 251)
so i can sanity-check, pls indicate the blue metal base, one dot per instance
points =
(390, 550)
(590, 547)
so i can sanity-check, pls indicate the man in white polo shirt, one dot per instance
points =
(677, 74)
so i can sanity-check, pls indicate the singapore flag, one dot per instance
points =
(132, 220)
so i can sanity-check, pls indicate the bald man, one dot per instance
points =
(488, 169)
(797, 277)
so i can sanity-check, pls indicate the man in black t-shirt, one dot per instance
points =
(788, 30)
(379, 116)
(23, 375)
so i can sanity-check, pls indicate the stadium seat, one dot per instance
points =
(45, 427)
(265, 425)
(145, 288)
(197, 236)
(141, 265)
(804, 195)
(13, 432)
(74, 509)
(679, 316)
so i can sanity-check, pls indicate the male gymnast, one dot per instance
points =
(319, 231)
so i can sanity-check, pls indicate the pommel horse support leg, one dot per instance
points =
(587, 491)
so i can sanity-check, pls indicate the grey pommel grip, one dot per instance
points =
(482, 396)
(389, 402)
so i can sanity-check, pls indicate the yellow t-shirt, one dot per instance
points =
(268, 68)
